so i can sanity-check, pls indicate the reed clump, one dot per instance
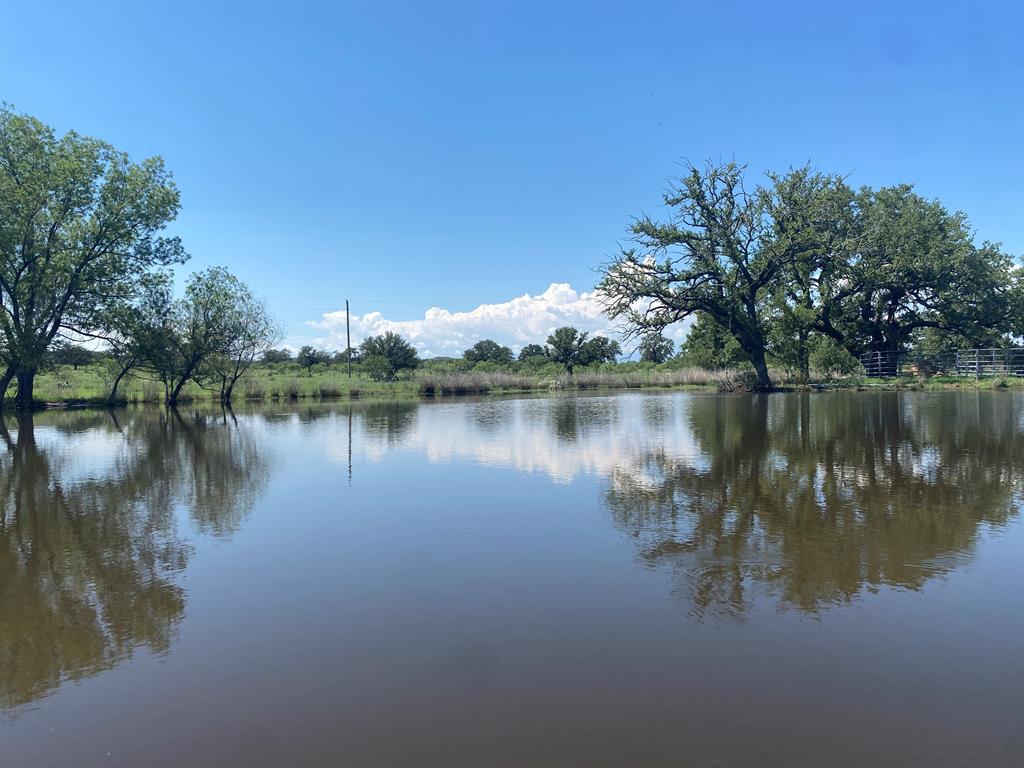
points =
(328, 391)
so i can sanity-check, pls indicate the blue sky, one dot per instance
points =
(417, 155)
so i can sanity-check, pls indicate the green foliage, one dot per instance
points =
(710, 346)
(344, 356)
(565, 346)
(202, 324)
(249, 331)
(655, 348)
(377, 368)
(489, 351)
(721, 252)
(532, 351)
(914, 266)
(828, 357)
(79, 228)
(802, 258)
(399, 353)
(282, 355)
(307, 357)
(599, 349)
(68, 353)
(489, 366)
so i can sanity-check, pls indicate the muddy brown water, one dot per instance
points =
(628, 580)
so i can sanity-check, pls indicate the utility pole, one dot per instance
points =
(348, 341)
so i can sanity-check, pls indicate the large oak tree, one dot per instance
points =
(721, 252)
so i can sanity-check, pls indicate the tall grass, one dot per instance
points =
(481, 383)
(643, 378)
(474, 383)
(90, 384)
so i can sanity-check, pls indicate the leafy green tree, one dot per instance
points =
(64, 352)
(399, 353)
(345, 355)
(722, 251)
(197, 327)
(489, 351)
(915, 266)
(377, 368)
(565, 347)
(828, 357)
(599, 349)
(250, 329)
(656, 348)
(79, 227)
(309, 356)
(710, 346)
(137, 330)
(282, 355)
(532, 351)
(794, 307)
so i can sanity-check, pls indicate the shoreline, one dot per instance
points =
(402, 392)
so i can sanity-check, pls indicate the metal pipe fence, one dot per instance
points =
(992, 361)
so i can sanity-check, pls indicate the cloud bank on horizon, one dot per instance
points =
(526, 319)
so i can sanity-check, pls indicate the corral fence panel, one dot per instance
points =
(992, 361)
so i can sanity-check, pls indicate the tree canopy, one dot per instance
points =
(779, 266)
(80, 226)
(488, 351)
(721, 250)
(532, 351)
(565, 347)
(599, 349)
(655, 348)
(396, 353)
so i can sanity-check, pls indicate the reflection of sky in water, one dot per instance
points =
(596, 435)
(625, 564)
(84, 456)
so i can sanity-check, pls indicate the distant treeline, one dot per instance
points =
(384, 357)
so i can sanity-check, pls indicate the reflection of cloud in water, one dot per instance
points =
(803, 500)
(806, 500)
(561, 437)
(84, 455)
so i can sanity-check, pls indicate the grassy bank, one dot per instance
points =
(90, 385)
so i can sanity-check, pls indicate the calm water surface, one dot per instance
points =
(631, 580)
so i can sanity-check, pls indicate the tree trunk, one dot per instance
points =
(23, 401)
(5, 382)
(804, 358)
(172, 398)
(761, 368)
(117, 382)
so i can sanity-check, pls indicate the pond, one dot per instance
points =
(637, 579)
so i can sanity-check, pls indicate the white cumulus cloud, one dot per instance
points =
(526, 319)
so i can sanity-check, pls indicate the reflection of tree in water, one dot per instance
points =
(572, 417)
(815, 498)
(87, 564)
(227, 469)
(387, 422)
